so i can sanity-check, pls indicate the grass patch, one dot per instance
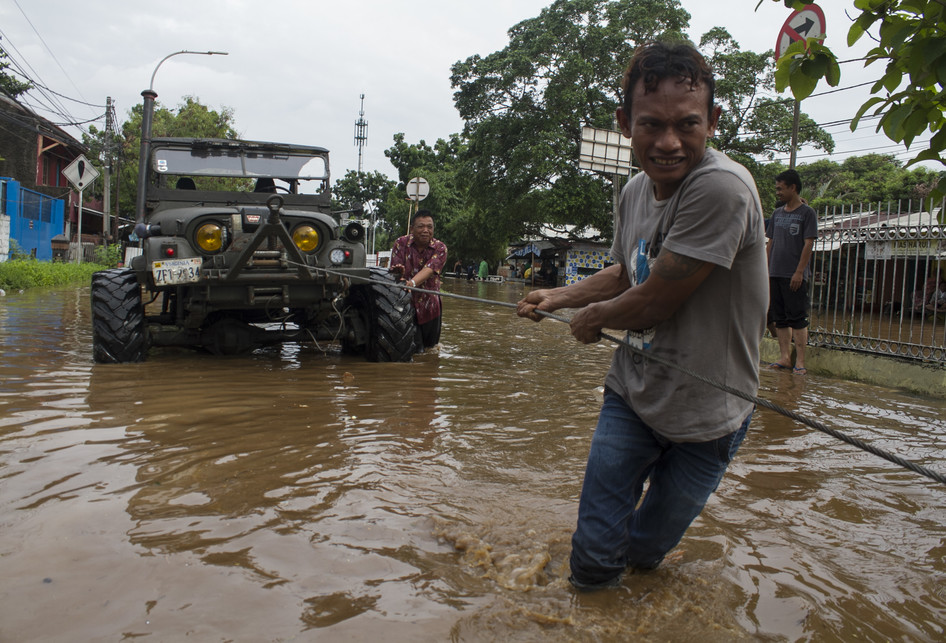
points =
(20, 274)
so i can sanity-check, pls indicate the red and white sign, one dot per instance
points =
(802, 24)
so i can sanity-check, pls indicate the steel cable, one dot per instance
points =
(814, 424)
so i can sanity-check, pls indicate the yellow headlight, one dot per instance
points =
(306, 238)
(210, 237)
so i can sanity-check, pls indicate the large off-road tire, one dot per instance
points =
(388, 313)
(118, 318)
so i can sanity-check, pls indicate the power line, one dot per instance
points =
(16, 133)
(54, 106)
(69, 98)
(79, 123)
(776, 132)
(43, 40)
(749, 397)
(842, 89)
(875, 149)
(48, 102)
(779, 101)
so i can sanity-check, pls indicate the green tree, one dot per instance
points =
(524, 106)
(882, 178)
(825, 183)
(868, 179)
(873, 178)
(764, 175)
(753, 123)
(910, 93)
(190, 119)
(469, 231)
(9, 84)
(368, 190)
(438, 165)
(94, 140)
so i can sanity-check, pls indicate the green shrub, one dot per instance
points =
(20, 274)
(109, 256)
(17, 253)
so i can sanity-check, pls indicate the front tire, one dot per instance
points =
(388, 313)
(119, 334)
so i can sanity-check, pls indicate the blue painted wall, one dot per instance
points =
(35, 218)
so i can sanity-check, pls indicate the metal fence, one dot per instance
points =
(88, 252)
(878, 281)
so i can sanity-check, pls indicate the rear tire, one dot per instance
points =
(388, 313)
(119, 334)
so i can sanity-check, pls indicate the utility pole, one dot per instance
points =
(796, 115)
(109, 126)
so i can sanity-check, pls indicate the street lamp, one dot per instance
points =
(147, 115)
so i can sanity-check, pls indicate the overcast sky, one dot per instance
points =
(296, 68)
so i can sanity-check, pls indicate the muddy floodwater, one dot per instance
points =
(295, 494)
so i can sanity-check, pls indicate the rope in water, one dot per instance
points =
(814, 424)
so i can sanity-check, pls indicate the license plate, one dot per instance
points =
(172, 272)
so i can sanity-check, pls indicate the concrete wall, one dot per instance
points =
(916, 377)
(4, 237)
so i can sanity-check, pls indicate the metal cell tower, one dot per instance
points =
(361, 134)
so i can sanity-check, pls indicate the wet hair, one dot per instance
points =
(790, 177)
(422, 213)
(657, 60)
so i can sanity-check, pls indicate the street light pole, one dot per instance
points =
(147, 116)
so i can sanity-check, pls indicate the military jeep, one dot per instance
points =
(239, 250)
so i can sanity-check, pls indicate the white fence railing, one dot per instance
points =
(879, 284)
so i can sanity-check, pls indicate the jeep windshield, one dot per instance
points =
(239, 159)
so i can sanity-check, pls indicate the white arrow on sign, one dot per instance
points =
(417, 189)
(80, 172)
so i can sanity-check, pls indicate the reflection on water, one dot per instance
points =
(291, 494)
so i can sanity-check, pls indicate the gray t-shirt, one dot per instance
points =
(715, 216)
(788, 231)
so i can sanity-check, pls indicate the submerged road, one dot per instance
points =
(294, 494)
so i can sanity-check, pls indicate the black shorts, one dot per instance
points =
(788, 308)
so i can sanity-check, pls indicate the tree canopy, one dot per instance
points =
(524, 107)
(753, 122)
(367, 189)
(190, 119)
(910, 93)
(470, 232)
(871, 178)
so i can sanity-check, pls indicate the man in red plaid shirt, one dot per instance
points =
(418, 259)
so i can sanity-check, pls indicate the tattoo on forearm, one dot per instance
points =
(674, 267)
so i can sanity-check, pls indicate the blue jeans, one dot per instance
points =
(612, 535)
